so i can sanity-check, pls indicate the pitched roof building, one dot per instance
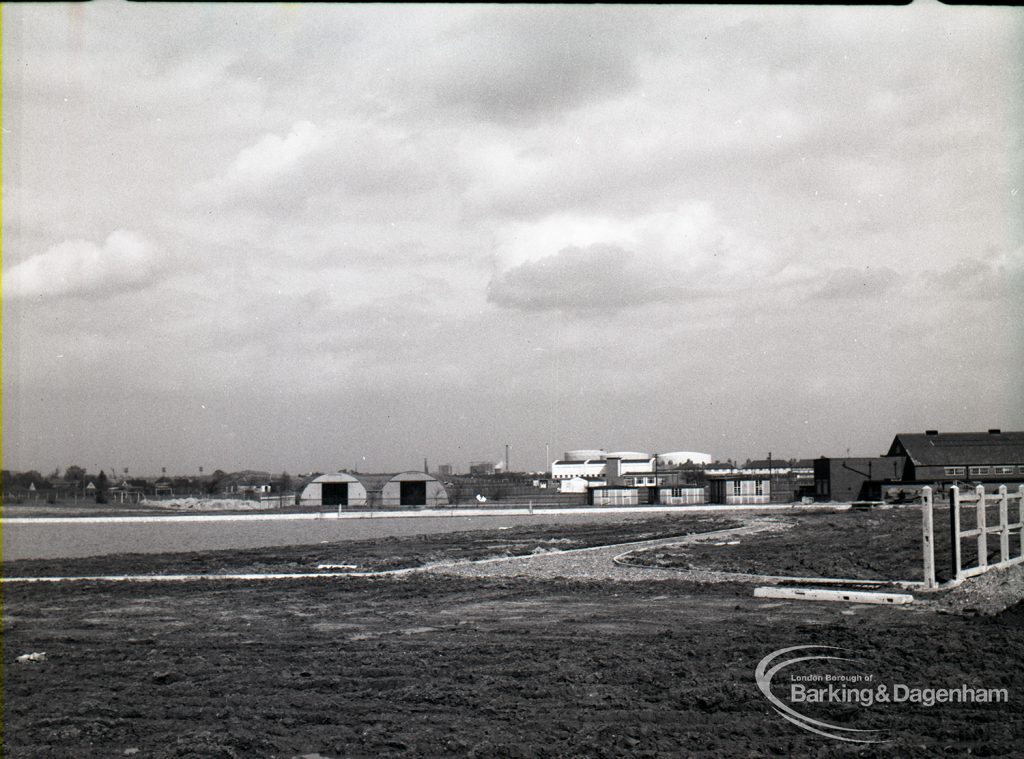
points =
(993, 456)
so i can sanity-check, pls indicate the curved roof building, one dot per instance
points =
(339, 489)
(403, 490)
(678, 458)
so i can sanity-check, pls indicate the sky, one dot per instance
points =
(314, 237)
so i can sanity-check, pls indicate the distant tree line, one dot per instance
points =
(75, 480)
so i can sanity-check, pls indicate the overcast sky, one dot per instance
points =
(305, 238)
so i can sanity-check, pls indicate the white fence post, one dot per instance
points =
(1020, 519)
(982, 527)
(954, 528)
(928, 532)
(1004, 525)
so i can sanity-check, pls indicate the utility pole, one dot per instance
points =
(506, 458)
(657, 487)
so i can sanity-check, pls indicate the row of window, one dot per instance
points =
(680, 492)
(742, 487)
(961, 471)
(638, 481)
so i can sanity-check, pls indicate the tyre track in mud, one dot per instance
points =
(603, 563)
(595, 563)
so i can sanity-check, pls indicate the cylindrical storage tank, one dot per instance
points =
(628, 455)
(584, 454)
(678, 458)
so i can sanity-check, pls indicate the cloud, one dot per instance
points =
(273, 167)
(518, 64)
(273, 156)
(848, 282)
(339, 159)
(711, 179)
(994, 273)
(80, 267)
(595, 278)
(674, 255)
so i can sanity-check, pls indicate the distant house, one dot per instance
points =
(950, 457)
(125, 493)
(246, 484)
(759, 482)
(790, 480)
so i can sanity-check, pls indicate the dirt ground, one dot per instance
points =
(862, 545)
(865, 545)
(424, 665)
(380, 554)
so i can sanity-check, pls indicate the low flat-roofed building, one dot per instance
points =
(859, 478)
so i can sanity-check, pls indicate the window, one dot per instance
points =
(955, 471)
(980, 470)
(677, 492)
(1002, 470)
(736, 488)
(759, 488)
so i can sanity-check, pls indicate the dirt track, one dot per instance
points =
(383, 553)
(433, 665)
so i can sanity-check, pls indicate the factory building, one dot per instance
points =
(591, 463)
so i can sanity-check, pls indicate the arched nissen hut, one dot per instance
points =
(339, 489)
(380, 491)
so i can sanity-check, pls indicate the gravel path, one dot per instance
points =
(599, 563)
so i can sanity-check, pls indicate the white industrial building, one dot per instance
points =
(592, 463)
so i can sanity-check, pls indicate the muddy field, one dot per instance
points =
(862, 545)
(425, 664)
(865, 545)
(393, 552)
